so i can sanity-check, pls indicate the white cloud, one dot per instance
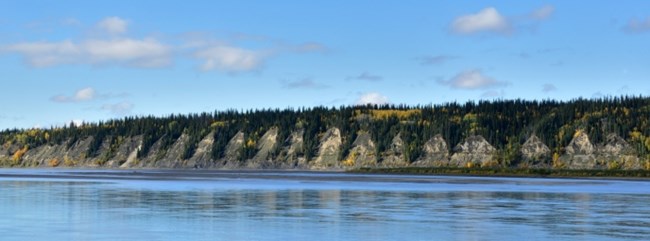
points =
(123, 51)
(543, 12)
(548, 88)
(486, 20)
(309, 47)
(112, 47)
(372, 98)
(493, 94)
(113, 25)
(637, 26)
(119, 109)
(489, 20)
(436, 60)
(472, 80)
(142, 53)
(230, 59)
(365, 76)
(306, 83)
(85, 94)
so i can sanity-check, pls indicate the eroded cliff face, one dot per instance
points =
(363, 152)
(580, 153)
(474, 151)
(171, 157)
(71, 154)
(126, 155)
(618, 154)
(291, 156)
(328, 152)
(435, 153)
(265, 146)
(394, 155)
(534, 153)
(202, 157)
(271, 152)
(233, 151)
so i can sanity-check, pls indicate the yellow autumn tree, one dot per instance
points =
(19, 155)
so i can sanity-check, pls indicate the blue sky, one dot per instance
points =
(65, 61)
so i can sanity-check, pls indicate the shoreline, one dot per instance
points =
(639, 175)
(409, 174)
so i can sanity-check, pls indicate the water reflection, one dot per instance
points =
(100, 211)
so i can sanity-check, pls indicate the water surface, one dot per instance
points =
(218, 205)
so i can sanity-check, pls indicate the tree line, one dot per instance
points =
(505, 124)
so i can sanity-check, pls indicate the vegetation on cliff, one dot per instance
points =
(503, 127)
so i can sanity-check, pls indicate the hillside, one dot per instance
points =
(610, 133)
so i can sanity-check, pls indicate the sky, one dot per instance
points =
(86, 61)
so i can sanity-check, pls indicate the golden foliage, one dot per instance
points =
(577, 133)
(385, 114)
(470, 165)
(19, 154)
(53, 162)
(218, 124)
(68, 161)
(614, 165)
(557, 163)
(250, 143)
(636, 135)
(348, 162)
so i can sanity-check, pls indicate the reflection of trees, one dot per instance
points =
(464, 215)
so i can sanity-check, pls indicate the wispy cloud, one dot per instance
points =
(113, 47)
(85, 94)
(119, 109)
(486, 20)
(305, 83)
(372, 98)
(472, 79)
(542, 13)
(637, 26)
(546, 88)
(230, 59)
(123, 51)
(490, 20)
(435, 59)
(227, 57)
(493, 94)
(366, 76)
(113, 25)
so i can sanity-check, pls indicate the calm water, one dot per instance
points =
(165, 205)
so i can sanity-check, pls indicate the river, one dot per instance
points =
(58, 204)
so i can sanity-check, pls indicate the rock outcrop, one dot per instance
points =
(202, 157)
(474, 151)
(394, 155)
(265, 147)
(126, 154)
(362, 153)
(172, 157)
(535, 153)
(435, 153)
(328, 152)
(580, 145)
(291, 156)
(66, 155)
(286, 150)
(232, 153)
(580, 153)
(616, 153)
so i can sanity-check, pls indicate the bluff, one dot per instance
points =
(579, 134)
